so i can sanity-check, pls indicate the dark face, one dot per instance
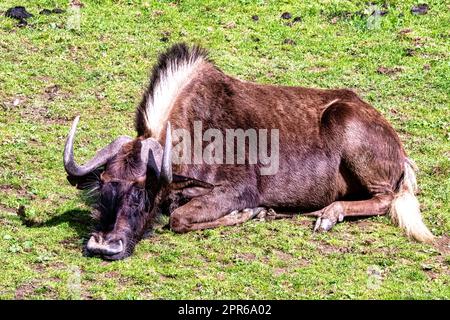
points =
(123, 213)
(128, 183)
(125, 210)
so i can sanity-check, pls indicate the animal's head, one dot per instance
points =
(127, 182)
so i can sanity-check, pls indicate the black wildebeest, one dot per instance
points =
(338, 157)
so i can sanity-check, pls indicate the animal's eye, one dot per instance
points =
(139, 185)
(114, 184)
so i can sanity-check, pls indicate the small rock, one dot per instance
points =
(289, 41)
(198, 287)
(164, 39)
(52, 91)
(45, 12)
(76, 3)
(297, 19)
(100, 96)
(334, 20)
(419, 42)
(16, 102)
(230, 25)
(7, 237)
(58, 11)
(386, 70)
(410, 52)
(404, 31)
(255, 18)
(420, 9)
(19, 13)
(427, 267)
(286, 15)
(426, 67)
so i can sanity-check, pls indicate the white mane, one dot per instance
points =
(172, 79)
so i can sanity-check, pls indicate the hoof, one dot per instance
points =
(325, 223)
(254, 212)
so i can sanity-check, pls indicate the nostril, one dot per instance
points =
(113, 247)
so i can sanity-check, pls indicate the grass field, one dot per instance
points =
(51, 71)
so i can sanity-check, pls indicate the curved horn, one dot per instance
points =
(100, 158)
(166, 163)
(151, 154)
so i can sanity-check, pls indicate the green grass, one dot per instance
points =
(49, 74)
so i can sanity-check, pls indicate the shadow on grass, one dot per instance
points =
(78, 220)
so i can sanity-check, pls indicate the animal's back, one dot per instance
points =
(310, 162)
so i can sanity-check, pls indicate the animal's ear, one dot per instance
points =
(86, 181)
(190, 187)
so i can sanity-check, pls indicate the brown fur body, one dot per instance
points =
(345, 150)
(338, 158)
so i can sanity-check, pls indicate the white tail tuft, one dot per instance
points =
(405, 209)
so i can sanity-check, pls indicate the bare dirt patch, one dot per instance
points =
(51, 92)
(301, 262)
(112, 275)
(388, 70)
(363, 224)
(35, 109)
(438, 170)
(405, 31)
(317, 69)
(37, 112)
(28, 289)
(419, 42)
(70, 243)
(307, 222)
(443, 244)
(326, 249)
(246, 256)
(25, 290)
(19, 192)
(7, 209)
(279, 271)
(283, 255)
(15, 102)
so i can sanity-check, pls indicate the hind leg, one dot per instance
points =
(374, 175)
(371, 154)
(337, 211)
(233, 218)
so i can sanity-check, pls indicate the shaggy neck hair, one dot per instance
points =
(175, 68)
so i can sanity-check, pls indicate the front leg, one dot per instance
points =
(218, 208)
